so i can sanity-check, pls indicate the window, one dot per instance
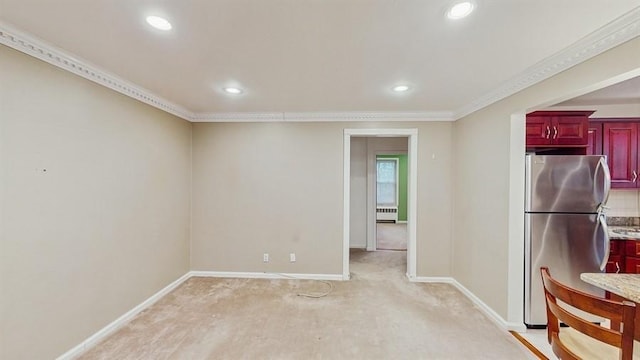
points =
(387, 182)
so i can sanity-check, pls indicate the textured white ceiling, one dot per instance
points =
(313, 55)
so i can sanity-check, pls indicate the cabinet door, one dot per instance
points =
(569, 130)
(632, 248)
(620, 142)
(614, 264)
(632, 265)
(538, 130)
(594, 138)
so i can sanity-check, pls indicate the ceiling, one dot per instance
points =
(625, 92)
(313, 56)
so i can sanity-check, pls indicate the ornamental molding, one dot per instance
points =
(39, 49)
(617, 32)
(324, 116)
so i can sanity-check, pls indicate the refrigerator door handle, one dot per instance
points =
(603, 169)
(604, 234)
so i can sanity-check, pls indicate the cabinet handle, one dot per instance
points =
(547, 133)
(555, 132)
(635, 176)
(617, 268)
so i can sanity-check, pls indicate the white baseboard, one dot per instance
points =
(122, 320)
(432, 279)
(491, 314)
(265, 275)
(119, 322)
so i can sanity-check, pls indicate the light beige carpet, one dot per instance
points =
(378, 314)
(390, 236)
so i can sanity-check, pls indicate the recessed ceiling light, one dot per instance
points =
(159, 23)
(460, 10)
(233, 90)
(400, 88)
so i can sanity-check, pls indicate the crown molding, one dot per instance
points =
(370, 116)
(324, 116)
(44, 51)
(238, 117)
(609, 36)
(615, 33)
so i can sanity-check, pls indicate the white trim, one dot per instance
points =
(346, 205)
(355, 116)
(40, 49)
(432, 279)
(101, 334)
(412, 205)
(515, 257)
(265, 275)
(622, 29)
(412, 180)
(122, 320)
(370, 115)
(619, 31)
(239, 117)
(381, 132)
(372, 155)
(372, 230)
(488, 311)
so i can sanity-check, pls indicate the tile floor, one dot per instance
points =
(538, 338)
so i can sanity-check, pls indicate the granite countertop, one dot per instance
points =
(617, 224)
(614, 235)
(625, 285)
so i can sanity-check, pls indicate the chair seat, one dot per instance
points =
(589, 348)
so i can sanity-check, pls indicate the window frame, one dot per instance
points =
(396, 181)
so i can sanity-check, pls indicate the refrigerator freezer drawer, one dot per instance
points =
(568, 244)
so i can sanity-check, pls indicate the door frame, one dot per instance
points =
(412, 201)
(372, 186)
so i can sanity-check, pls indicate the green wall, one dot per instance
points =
(402, 183)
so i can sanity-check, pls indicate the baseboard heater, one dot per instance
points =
(387, 214)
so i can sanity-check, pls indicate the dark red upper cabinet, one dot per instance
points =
(538, 130)
(594, 138)
(620, 144)
(557, 129)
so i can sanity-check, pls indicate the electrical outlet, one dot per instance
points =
(292, 257)
(265, 257)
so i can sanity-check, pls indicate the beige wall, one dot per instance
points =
(104, 227)
(278, 188)
(482, 173)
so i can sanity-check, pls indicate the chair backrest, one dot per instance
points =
(623, 312)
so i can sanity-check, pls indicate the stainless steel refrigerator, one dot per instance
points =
(565, 226)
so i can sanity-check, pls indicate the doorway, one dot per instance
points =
(391, 200)
(411, 136)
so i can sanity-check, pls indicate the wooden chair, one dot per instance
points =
(583, 339)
